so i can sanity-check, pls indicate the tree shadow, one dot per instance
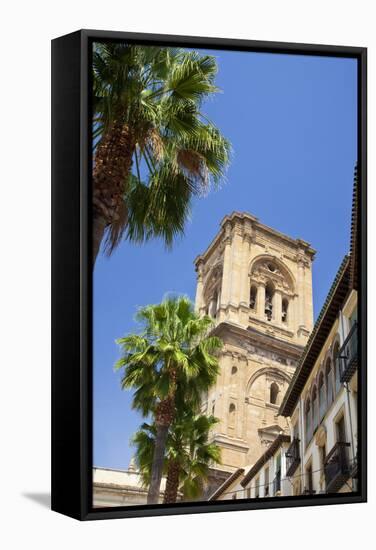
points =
(43, 499)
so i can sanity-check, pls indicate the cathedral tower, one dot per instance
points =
(257, 285)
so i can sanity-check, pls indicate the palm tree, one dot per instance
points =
(154, 149)
(188, 454)
(172, 353)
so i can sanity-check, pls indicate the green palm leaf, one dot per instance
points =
(157, 94)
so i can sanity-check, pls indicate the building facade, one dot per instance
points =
(113, 487)
(322, 400)
(256, 283)
(266, 478)
(320, 454)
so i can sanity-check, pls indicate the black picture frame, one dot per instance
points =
(72, 285)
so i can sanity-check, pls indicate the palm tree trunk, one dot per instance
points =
(164, 415)
(157, 466)
(112, 166)
(172, 483)
(99, 226)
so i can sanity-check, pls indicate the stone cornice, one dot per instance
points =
(271, 327)
(248, 224)
(258, 338)
(231, 443)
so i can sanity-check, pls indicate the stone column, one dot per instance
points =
(226, 278)
(199, 301)
(236, 266)
(245, 286)
(291, 313)
(277, 307)
(260, 310)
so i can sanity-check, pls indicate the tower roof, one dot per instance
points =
(250, 224)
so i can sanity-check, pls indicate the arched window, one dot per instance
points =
(213, 409)
(269, 293)
(315, 409)
(231, 415)
(337, 366)
(322, 396)
(285, 307)
(253, 297)
(274, 390)
(329, 381)
(234, 370)
(214, 305)
(308, 420)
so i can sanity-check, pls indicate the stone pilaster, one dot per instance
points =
(245, 286)
(236, 265)
(226, 277)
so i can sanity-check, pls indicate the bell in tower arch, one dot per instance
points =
(269, 291)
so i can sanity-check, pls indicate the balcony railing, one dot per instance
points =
(336, 467)
(348, 355)
(293, 457)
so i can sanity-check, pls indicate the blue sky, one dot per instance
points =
(292, 124)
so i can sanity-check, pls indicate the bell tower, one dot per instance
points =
(256, 283)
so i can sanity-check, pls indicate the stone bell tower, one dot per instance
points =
(257, 285)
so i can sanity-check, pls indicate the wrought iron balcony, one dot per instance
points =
(336, 467)
(348, 355)
(293, 457)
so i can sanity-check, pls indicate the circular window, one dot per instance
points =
(271, 268)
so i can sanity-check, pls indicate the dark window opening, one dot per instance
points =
(253, 297)
(274, 390)
(329, 382)
(285, 307)
(322, 397)
(309, 479)
(315, 416)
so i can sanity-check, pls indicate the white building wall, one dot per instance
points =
(344, 404)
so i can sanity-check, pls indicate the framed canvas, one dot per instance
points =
(208, 275)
